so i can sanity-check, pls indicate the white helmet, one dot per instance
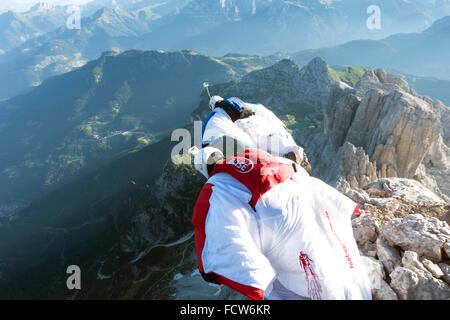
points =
(213, 101)
(204, 157)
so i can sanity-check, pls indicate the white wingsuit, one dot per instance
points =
(264, 130)
(266, 229)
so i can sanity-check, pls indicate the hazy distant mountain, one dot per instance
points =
(213, 27)
(158, 8)
(62, 50)
(397, 16)
(267, 26)
(424, 54)
(429, 86)
(16, 28)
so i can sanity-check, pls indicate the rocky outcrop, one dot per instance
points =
(381, 128)
(414, 281)
(358, 170)
(435, 270)
(403, 235)
(391, 198)
(340, 112)
(410, 285)
(426, 236)
(395, 130)
(380, 289)
(283, 87)
(389, 257)
(365, 231)
(446, 271)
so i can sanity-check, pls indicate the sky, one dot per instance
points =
(23, 5)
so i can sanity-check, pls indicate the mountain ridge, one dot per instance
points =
(422, 54)
(273, 26)
(121, 102)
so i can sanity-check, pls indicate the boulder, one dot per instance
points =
(447, 248)
(387, 255)
(446, 271)
(384, 292)
(433, 268)
(410, 285)
(411, 261)
(364, 229)
(417, 233)
(380, 289)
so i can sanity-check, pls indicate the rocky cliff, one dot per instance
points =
(283, 87)
(404, 237)
(381, 128)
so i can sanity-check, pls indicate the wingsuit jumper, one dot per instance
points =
(253, 126)
(266, 229)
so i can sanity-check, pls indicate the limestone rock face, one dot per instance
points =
(380, 129)
(411, 261)
(402, 232)
(435, 168)
(446, 271)
(377, 275)
(388, 255)
(426, 236)
(447, 248)
(365, 231)
(383, 292)
(283, 87)
(340, 111)
(389, 198)
(356, 167)
(381, 80)
(395, 130)
(435, 270)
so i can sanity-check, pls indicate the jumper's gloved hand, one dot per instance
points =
(304, 162)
